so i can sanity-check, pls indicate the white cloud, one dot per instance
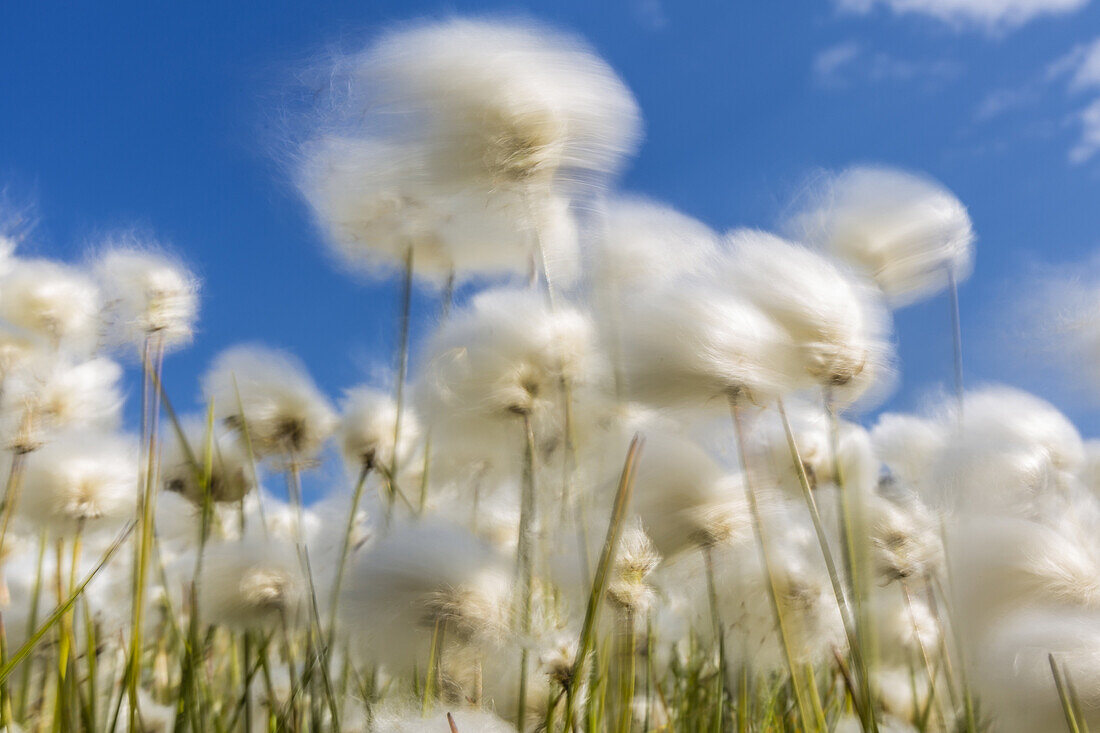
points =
(1082, 65)
(991, 15)
(845, 63)
(1089, 143)
(651, 14)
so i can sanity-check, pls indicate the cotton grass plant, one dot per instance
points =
(624, 485)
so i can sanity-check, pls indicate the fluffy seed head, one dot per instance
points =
(231, 472)
(636, 560)
(373, 206)
(269, 394)
(505, 355)
(418, 575)
(51, 393)
(906, 231)
(80, 480)
(251, 584)
(683, 499)
(642, 243)
(367, 429)
(833, 318)
(56, 301)
(147, 293)
(695, 342)
(501, 104)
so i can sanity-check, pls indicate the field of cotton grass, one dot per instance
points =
(631, 483)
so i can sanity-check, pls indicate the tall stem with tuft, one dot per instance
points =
(525, 560)
(402, 370)
(956, 333)
(765, 558)
(603, 575)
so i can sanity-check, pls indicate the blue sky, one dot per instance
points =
(164, 115)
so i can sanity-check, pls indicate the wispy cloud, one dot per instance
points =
(848, 63)
(651, 14)
(988, 15)
(1065, 80)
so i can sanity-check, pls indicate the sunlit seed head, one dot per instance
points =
(907, 232)
(147, 293)
(59, 302)
(269, 397)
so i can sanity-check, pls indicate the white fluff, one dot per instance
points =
(696, 342)
(642, 243)
(909, 446)
(231, 471)
(373, 205)
(420, 574)
(1012, 671)
(1009, 453)
(81, 481)
(904, 230)
(684, 499)
(251, 584)
(147, 294)
(1000, 565)
(507, 354)
(366, 430)
(269, 394)
(498, 103)
(56, 301)
(52, 393)
(833, 318)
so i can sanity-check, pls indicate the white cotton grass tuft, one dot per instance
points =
(252, 583)
(909, 446)
(231, 473)
(498, 104)
(147, 293)
(420, 574)
(366, 431)
(80, 481)
(641, 244)
(833, 317)
(905, 539)
(51, 393)
(374, 207)
(630, 587)
(505, 355)
(811, 616)
(1009, 452)
(906, 231)
(269, 395)
(695, 342)
(56, 301)
(683, 498)
(1012, 674)
(1002, 565)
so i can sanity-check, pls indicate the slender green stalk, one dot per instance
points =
(719, 632)
(956, 333)
(402, 368)
(11, 494)
(603, 575)
(435, 660)
(628, 639)
(1063, 696)
(525, 562)
(850, 630)
(765, 558)
(345, 550)
(63, 608)
(151, 372)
